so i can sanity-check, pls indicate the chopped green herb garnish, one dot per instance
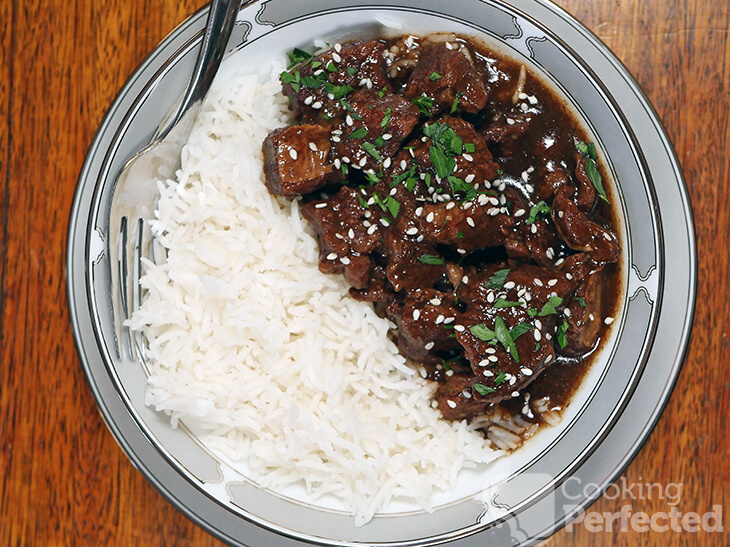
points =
(581, 302)
(298, 56)
(561, 336)
(589, 151)
(483, 390)
(443, 165)
(381, 93)
(505, 338)
(359, 133)
(551, 306)
(393, 206)
(460, 235)
(519, 329)
(331, 67)
(538, 211)
(470, 147)
(351, 71)
(370, 149)
(482, 332)
(386, 118)
(379, 142)
(496, 281)
(424, 104)
(500, 377)
(431, 259)
(502, 303)
(338, 91)
(454, 106)
(434, 76)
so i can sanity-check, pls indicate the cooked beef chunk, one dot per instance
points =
(449, 79)
(343, 228)
(583, 316)
(585, 196)
(373, 129)
(316, 87)
(423, 319)
(295, 160)
(579, 232)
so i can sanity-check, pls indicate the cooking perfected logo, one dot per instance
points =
(630, 517)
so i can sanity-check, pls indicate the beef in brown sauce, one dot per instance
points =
(452, 189)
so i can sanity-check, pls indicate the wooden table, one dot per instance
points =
(63, 479)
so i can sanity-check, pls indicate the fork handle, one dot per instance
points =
(221, 20)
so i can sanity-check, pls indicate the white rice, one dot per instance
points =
(250, 343)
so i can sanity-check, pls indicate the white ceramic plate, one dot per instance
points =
(518, 499)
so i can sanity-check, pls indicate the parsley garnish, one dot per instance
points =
(297, 57)
(338, 91)
(431, 259)
(502, 303)
(393, 206)
(370, 149)
(538, 211)
(454, 106)
(434, 76)
(505, 338)
(386, 118)
(589, 152)
(551, 306)
(581, 302)
(424, 104)
(359, 133)
(483, 332)
(351, 71)
(496, 281)
(519, 329)
(500, 377)
(481, 389)
(561, 336)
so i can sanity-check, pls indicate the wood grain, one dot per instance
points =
(63, 479)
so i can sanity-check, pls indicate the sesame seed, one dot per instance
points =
(560, 214)
(403, 164)
(490, 297)
(451, 403)
(549, 253)
(549, 358)
(393, 191)
(372, 229)
(493, 358)
(387, 136)
(450, 205)
(559, 262)
(515, 394)
(493, 212)
(566, 312)
(537, 282)
(524, 107)
(440, 319)
(461, 251)
(321, 205)
(519, 212)
(532, 99)
(309, 100)
(338, 47)
(336, 58)
(317, 105)
(526, 371)
(412, 231)
(466, 394)
(345, 159)
(386, 163)
(419, 238)
(345, 260)
(351, 233)
(483, 363)
(450, 373)
(449, 320)
(465, 279)
(384, 222)
(482, 199)
(608, 320)
(552, 282)
(509, 285)
(469, 178)
(591, 317)
(538, 324)
(522, 96)
(533, 228)
(459, 328)
(488, 373)
(510, 121)
(336, 139)
(568, 276)
(348, 120)
(470, 221)
(537, 335)
(293, 153)
(416, 314)
(429, 346)
(491, 350)
(419, 211)
(468, 157)
(332, 256)
(363, 161)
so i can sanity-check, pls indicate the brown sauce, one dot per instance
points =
(455, 191)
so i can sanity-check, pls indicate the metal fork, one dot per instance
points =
(134, 194)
